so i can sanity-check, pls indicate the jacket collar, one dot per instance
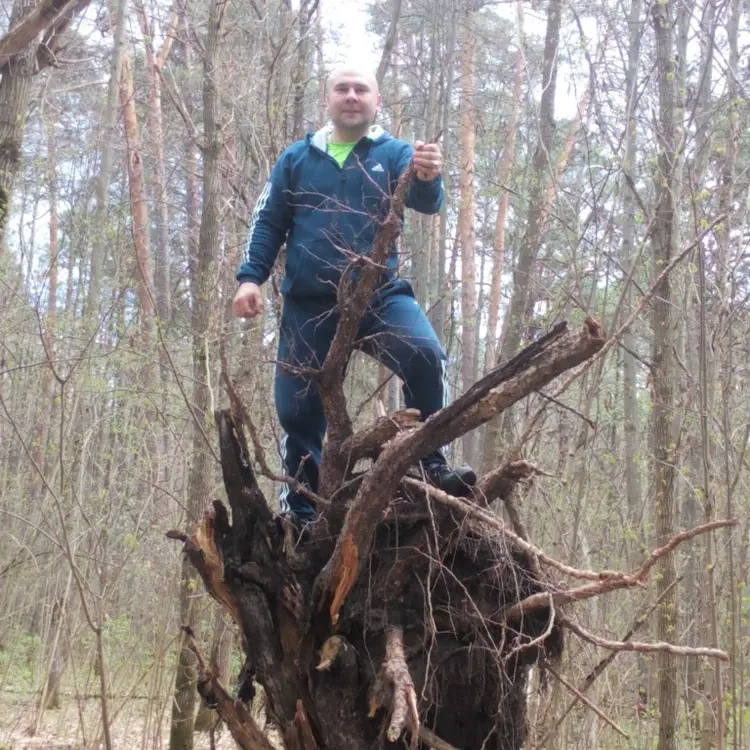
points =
(320, 138)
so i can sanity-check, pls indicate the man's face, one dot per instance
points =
(353, 99)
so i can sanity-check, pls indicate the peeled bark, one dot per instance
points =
(154, 65)
(138, 203)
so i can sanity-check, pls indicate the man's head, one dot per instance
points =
(353, 99)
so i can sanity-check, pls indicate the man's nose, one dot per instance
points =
(351, 93)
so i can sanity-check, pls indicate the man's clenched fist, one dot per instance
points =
(428, 160)
(248, 302)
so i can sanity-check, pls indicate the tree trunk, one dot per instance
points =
(15, 85)
(47, 400)
(506, 165)
(184, 698)
(107, 139)
(138, 205)
(305, 21)
(729, 169)
(207, 719)
(441, 308)
(154, 65)
(466, 230)
(663, 369)
(390, 41)
(530, 245)
(631, 448)
(201, 276)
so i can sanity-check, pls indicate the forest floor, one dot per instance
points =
(133, 725)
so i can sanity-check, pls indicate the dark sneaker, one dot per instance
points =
(457, 482)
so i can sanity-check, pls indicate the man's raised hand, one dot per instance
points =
(428, 160)
(248, 301)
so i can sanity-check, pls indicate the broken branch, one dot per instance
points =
(353, 298)
(638, 622)
(497, 525)
(403, 696)
(530, 370)
(678, 539)
(246, 733)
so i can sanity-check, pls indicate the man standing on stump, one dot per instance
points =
(326, 198)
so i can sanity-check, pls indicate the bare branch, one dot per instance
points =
(643, 648)
(678, 539)
(615, 338)
(353, 297)
(581, 697)
(638, 622)
(51, 43)
(612, 581)
(489, 521)
(369, 442)
(403, 696)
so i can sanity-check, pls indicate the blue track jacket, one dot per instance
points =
(325, 212)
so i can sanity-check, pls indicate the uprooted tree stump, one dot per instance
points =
(390, 617)
(406, 614)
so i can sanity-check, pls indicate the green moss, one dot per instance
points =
(10, 151)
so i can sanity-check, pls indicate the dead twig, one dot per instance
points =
(638, 622)
(581, 697)
(613, 581)
(243, 417)
(497, 525)
(678, 539)
(353, 298)
(643, 648)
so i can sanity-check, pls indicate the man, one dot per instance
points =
(325, 198)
